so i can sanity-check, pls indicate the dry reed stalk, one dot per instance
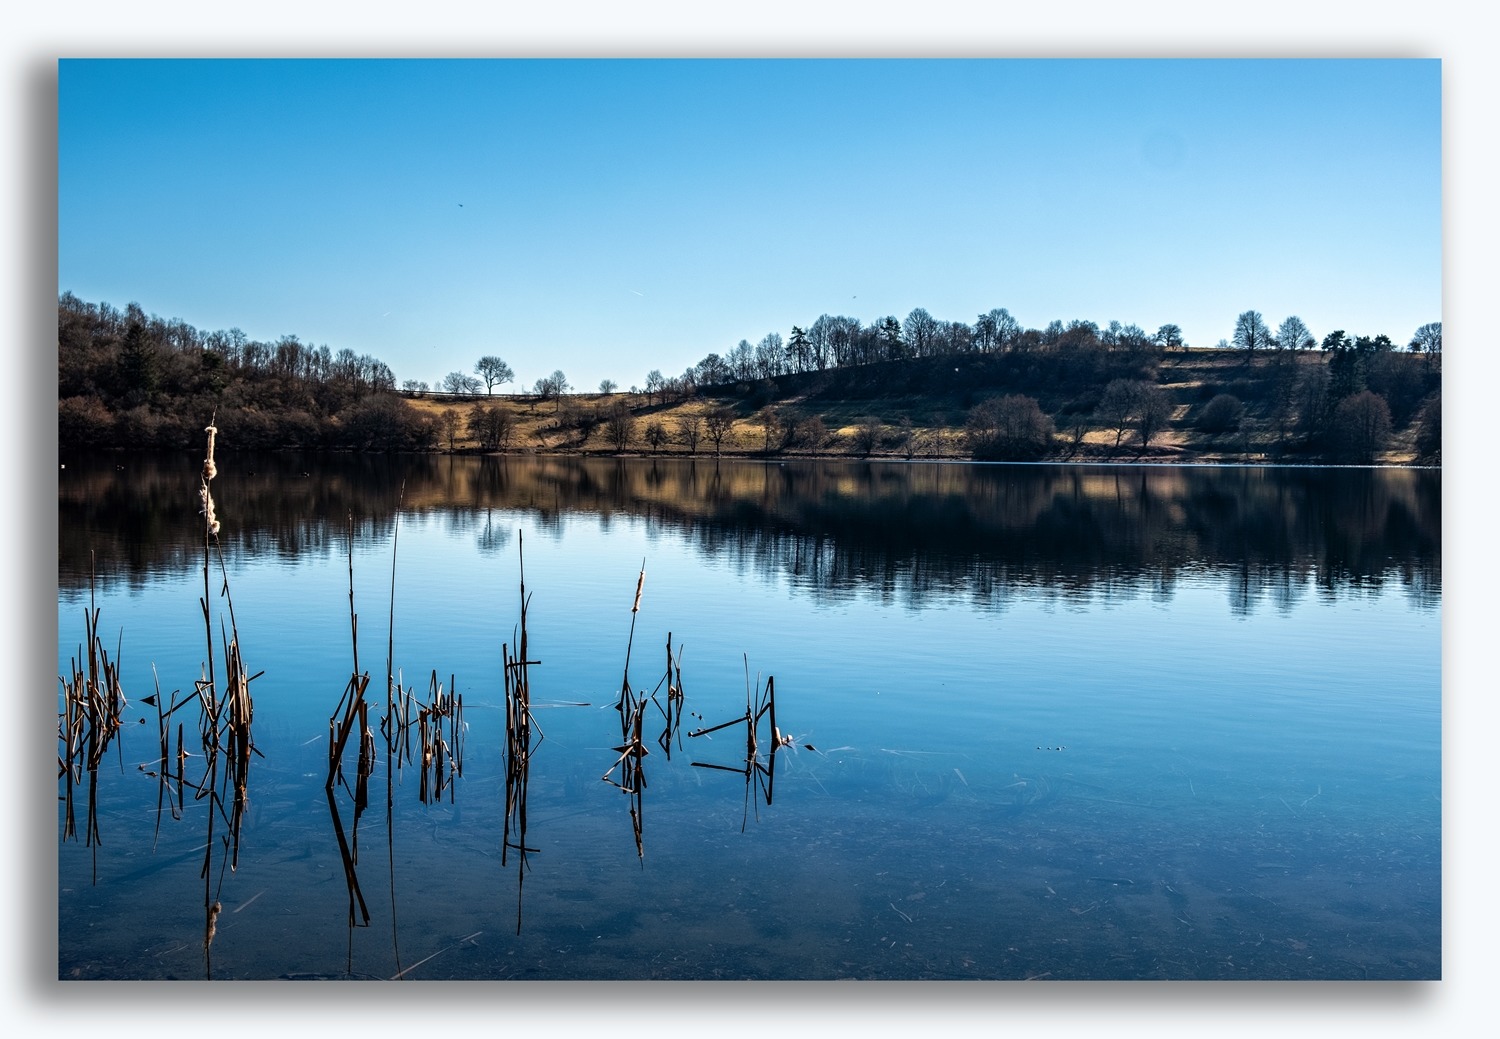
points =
(672, 712)
(520, 724)
(225, 716)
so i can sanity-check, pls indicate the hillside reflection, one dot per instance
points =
(907, 533)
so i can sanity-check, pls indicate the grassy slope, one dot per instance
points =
(934, 398)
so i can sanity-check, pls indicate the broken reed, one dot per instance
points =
(351, 715)
(351, 719)
(755, 771)
(672, 712)
(519, 725)
(442, 757)
(631, 763)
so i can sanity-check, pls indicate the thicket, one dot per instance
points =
(125, 379)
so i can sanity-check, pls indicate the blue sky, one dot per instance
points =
(608, 217)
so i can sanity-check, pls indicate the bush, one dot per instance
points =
(385, 422)
(1361, 427)
(84, 422)
(1223, 414)
(1009, 429)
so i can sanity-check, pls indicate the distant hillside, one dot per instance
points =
(128, 381)
(1220, 407)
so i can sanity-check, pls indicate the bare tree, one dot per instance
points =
(770, 423)
(460, 384)
(718, 426)
(1169, 337)
(1152, 411)
(492, 426)
(1117, 406)
(654, 383)
(608, 386)
(619, 426)
(1429, 339)
(1293, 335)
(1250, 332)
(493, 371)
(1361, 426)
(919, 332)
(656, 435)
(448, 426)
(1009, 429)
(690, 431)
(552, 387)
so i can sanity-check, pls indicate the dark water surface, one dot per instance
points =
(1051, 722)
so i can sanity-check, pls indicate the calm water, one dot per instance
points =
(1050, 722)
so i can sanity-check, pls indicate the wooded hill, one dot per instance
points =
(129, 381)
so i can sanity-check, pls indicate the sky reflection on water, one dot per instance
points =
(1025, 761)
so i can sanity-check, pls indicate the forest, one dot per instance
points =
(987, 390)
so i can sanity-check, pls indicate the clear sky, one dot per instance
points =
(608, 217)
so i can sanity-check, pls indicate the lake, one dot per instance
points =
(1041, 722)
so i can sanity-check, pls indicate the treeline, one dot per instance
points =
(839, 341)
(131, 380)
(1069, 390)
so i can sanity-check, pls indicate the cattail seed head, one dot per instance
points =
(208, 509)
(209, 469)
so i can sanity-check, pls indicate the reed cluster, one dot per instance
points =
(430, 733)
(92, 705)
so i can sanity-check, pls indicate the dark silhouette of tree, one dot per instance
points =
(493, 371)
(1169, 337)
(770, 356)
(798, 351)
(718, 426)
(1251, 333)
(552, 387)
(1116, 407)
(919, 333)
(140, 366)
(867, 436)
(1292, 334)
(655, 381)
(460, 384)
(656, 435)
(608, 386)
(1152, 411)
(619, 425)
(770, 424)
(1361, 427)
(1428, 339)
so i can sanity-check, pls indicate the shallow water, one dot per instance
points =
(1051, 722)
